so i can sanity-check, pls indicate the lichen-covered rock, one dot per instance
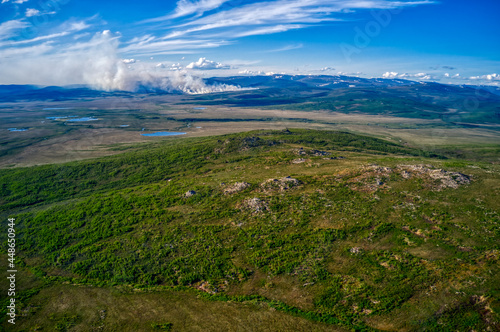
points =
(447, 179)
(256, 205)
(235, 188)
(319, 153)
(374, 177)
(190, 193)
(282, 184)
(316, 153)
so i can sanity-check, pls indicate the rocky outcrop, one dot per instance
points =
(316, 153)
(255, 205)
(236, 188)
(447, 179)
(374, 177)
(190, 193)
(282, 184)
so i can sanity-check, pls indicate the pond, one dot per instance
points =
(84, 119)
(15, 129)
(164, 133)
(58, 117)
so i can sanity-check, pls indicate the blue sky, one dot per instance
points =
(102, 42)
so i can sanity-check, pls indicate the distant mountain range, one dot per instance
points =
(396, 97)
(292, 82)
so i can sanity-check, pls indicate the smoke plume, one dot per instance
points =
(96, 63)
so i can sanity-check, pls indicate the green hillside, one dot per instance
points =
(294, 230)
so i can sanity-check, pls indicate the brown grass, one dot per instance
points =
(129, 311)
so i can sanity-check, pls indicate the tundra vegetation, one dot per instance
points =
(361, 234)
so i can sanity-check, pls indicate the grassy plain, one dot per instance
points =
(55, 141)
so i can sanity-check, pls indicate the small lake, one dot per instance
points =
(164, 133)
(84, 119)
(200, 108)
(15, 129)
(56, 117)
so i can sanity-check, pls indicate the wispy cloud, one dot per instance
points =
(35, 12)
(31, 51)
(285, 48)
(15, 1)
(186, 8)
(212, 24)
(177, 46)
(10, 28)
(268, 30)
(67, 28)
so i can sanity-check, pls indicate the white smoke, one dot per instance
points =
(104, 70)
(96, 63)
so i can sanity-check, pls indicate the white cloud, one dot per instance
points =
(291, 12)
(251, 72)
(67, 28)
(390, 75)
(30, 51)
(35, 12)
(37, 39)
(78, 26)
(418, 76)
(489, 77)
(356, 74)
(128, 61)
(268, 30)
(327, 69)
(32, 12)
(176, 46)
(15, 1)
(249, 19)
(176, 66)
(10, 28)
(286, 48)
(185, 7)
(205, 64)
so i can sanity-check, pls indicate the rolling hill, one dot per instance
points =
(296, 229)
